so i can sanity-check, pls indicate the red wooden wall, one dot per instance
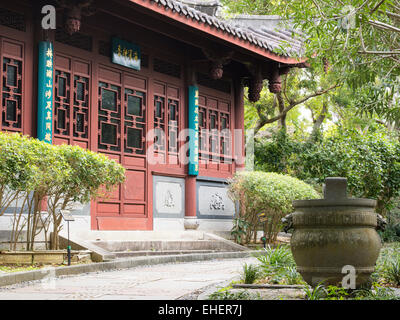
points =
(109, 108)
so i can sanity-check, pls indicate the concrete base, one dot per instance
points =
(191, 223)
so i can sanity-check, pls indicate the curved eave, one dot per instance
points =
(201, 26)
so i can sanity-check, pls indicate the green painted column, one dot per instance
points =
(45, 92)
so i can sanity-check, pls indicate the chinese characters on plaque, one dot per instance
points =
(125, 53)
(45, 92)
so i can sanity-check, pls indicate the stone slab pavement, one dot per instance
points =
(157, 282)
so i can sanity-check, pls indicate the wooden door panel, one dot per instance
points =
(122, 115)
(135, 186)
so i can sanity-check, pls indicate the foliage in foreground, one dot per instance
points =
(34, 174)
(277, 266)
(268, 193)
(250, 273)
(227, 295)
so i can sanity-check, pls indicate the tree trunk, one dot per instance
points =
(318, 122)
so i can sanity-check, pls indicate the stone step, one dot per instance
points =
(125, 254)
(163, 245)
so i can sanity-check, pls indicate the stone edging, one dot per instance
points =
(266, 286)
(54, 272)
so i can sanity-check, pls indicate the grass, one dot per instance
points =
(388, 266)
(250, 273)
(18, 268)
(227, 295)
(278, 266)
(23, 267)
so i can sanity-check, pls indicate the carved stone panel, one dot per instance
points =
(169, 196)
(213, 201)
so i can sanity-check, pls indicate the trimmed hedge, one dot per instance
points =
(268, 193)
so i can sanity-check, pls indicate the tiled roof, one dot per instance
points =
(262, 37)
(274, 30)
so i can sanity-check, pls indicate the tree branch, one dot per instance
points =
(292, 104)
(384, 26)
(377, 6)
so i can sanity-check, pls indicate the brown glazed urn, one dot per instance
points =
(335, 232)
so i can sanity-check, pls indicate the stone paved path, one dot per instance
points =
(157, 282)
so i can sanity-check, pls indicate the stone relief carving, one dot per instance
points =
(214, 200)
(217, 202)
(169, 200)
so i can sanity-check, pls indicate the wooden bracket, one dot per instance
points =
(217, 60)
(74, 10)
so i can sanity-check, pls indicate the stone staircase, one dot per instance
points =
(162, 247)
(109, 245)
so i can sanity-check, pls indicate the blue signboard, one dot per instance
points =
(125, 54)
(193, 131)
(45, 92)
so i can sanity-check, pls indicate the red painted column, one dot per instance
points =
(239, 136)
(190, 196)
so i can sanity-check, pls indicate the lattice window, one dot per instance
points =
(225, 139)
(81, 107)
(62, 103)
(168, 68)
(220, 85)
(12, 94)
(214, 132)
(135, 121)
(77, 40)
(159, 123)
(109, 123)
(203, 134)
(173, 125)
(71, 105)
(12, 19)
(104, 48)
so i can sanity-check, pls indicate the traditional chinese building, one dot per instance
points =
(125, 78)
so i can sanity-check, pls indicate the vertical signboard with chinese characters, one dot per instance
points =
(125, 54)
(45, 92)
(193, 131)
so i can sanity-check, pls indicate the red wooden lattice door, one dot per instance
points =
(215, 142)
(71, 101)
(121, 115)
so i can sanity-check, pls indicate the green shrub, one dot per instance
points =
(89, 176)
(34, 173)
(268, 193)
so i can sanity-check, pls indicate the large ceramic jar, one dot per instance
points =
(335, 232)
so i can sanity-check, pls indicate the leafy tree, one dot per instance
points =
(360, 39)
(369, 159)
(300, 87)
(261, 7)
